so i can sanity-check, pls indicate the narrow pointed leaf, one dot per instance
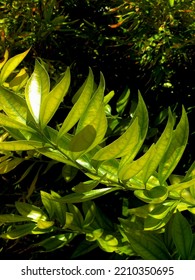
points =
(182, 235)
(81, 197)
(13, 105)
(161, 147)
(5, 121)
(30, 211)
(9, 164)
(141, 113)
(52, 100)
(92, 125)
(80, 106)
(125, 144)
(19, 231)
(19, 80)
(131, 169)
(37, 87)
(11, 65)
(20, 145)
(176, 148)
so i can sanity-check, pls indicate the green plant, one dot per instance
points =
(81, 142)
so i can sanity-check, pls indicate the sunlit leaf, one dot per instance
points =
(19, 231)
(20, 145)
(141, 114)
(80, 106)
(11, 65)
(6, 121)
(36, 88)
(52, 100)
(125, 144)
(122, 101)
(44, 224)
(92, 125)
(131, 169)
(56, 241)
(155, 195)
(30, 211)
(19, 80)
(175, 149)
(13, 105)
(161, 147)
(81, 197)
(9, 164)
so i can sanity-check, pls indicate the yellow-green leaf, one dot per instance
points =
(19, 80)
(11, 65)
(125, 144)
(9, 164)
(52, 100)
(5, 121)
(20, 145)
(155, 195)
(80, 106)
(131, 169)
(161, 147)
(142, 114)
(36, 88)
(176, 148)
(19, 231)
(13, 105)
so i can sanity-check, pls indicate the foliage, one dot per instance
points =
(160, 34)
(82, 142)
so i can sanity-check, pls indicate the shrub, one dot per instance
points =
(81, 142)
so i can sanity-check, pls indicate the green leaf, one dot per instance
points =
(125, 144)
(9, 164)
(141, 114)
(13, 105)
(176, 148)
(11, 65)
(108, 243)
(81, 197)
(52, 100)
(20, 145)
(147, 245)
(55, 209)
(69, 172)
(171, 3)
(12, 218)
(92, 125)
(182, 235)
(19, 231)
(159, 216)
(6, 121)
(83, 187)
(56, 241)
(108, 97)
(30, 211)
(80, 106)
(131, 169)
(122, 101)
(161, 147)
(19, 80)
(44, 224)
(36, 89)
(155, 195)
